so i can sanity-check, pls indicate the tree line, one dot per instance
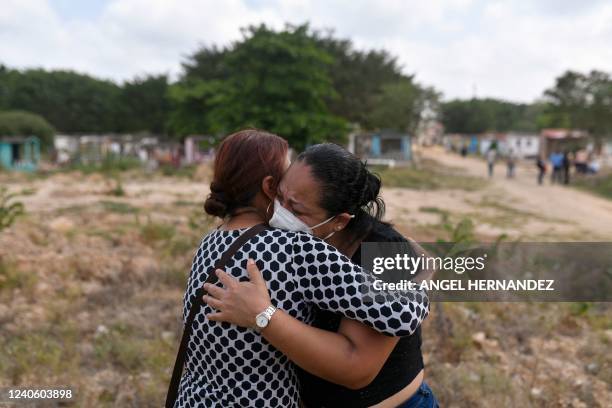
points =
(304, 84)
(576, 101)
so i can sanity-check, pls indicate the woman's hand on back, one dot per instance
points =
(238, 302)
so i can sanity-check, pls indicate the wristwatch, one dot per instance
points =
(263, 319)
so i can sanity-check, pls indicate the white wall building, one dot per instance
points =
(523, 145)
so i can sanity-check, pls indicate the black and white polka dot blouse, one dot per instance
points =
(230, 366)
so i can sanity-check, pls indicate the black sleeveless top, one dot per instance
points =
(403, 365)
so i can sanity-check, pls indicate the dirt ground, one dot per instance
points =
(92, 278)
(517, 207)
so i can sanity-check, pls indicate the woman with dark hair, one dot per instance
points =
(227, 365)
(333, 191)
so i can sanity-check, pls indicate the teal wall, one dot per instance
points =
(6, 155)
(29, 154)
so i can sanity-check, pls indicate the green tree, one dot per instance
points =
(207, 63)
(582, 102)
(4, 87)
(275, 80)
(144, 105)
(192, 100)
(396, 107)
(71, 102)
(358, 78)
(481, 115)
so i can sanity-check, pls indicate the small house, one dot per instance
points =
(19, 153)
(385, 147)
(523, 145)
(492, 140)
(562, 140)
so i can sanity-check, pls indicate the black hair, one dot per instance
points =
(347, 186)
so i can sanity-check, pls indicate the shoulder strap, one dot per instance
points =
(195, 309)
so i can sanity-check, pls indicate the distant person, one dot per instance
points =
(581, 161)
(593, 166)
(464, 150)
(556, 161)
(541, 169)
(510, 164)
(491, 157)
(566, 167)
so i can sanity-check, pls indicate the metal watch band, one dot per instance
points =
(269, 311)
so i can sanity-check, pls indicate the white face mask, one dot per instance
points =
(285, 219)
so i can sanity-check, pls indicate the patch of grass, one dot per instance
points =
(12, 278)
(38, 353)
(122, 347)
(598, 184)
(597, 354)
(117, 189)
(428, 176)
(107, 235)
(118, 207)
(504, 215)
(73, 209)
(182, 171)
(153, 232)
(200, 221)
(598, 315)
(435, 210)
(475, 384)
(108, 165)
(38, 237)
(182, 245)
(175, 274)
(185, 203)
(9, 208)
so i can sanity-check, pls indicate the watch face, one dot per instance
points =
(262, 321)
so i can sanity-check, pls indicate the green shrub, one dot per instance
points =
(153, 232)
(25, 354)
(119, 207)
(110, 166)
(117, 190)
(13, 278)
(427, 176)
(599, 184)
(9, 209)
(21, 123)
(183, 171)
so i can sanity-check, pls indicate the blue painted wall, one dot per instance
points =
(29, 154)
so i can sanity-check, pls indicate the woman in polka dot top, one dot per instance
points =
(228, 365)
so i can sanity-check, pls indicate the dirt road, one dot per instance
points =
(517, 207)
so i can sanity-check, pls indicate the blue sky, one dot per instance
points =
(75, 9)
(505, 49)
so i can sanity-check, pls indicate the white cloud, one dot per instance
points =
(506, 49)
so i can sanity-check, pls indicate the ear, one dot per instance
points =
(341, 221)
(269, 186)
